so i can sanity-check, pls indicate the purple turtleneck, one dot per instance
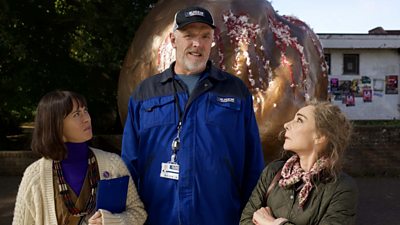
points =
(74, 167)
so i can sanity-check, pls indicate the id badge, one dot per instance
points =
(170, 170)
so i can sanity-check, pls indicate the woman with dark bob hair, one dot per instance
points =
(307, 186)
(60, 188)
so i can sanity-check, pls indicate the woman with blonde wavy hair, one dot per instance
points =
(308, 186)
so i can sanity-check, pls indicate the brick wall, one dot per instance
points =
(373, 151)
(15, 162)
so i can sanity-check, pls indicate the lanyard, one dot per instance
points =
(176, 143)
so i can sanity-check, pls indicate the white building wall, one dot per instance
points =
(378, 62)
(375, 64)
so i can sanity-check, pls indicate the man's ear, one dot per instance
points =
(213, 44)
(172, 38)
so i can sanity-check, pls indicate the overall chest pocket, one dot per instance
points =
(223, 111)
(157, 112)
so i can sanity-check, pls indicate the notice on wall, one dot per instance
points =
(379, 84)
(366, 89)
(391, 85)
(366, 97)
(349, 100)
(334, 85)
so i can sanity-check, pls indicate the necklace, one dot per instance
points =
(66, 193)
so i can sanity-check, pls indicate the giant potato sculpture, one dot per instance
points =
(278, 57)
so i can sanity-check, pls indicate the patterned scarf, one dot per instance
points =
(293, 173)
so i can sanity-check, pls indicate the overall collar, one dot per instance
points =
(211, 71)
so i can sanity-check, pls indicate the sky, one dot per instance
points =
(343, 16)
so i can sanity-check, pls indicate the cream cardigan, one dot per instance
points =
(35, 200)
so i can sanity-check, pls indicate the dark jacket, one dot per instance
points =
(328, 203)
(220, 157)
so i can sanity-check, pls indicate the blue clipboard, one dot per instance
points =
(111, 194)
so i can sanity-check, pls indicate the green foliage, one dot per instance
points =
(76, 45)
(377, 123)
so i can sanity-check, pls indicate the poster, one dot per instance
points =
(350, 101)
(367, 95)
(345, 86)
(391, 85)
(335, 91)
(334, 85)
(378, 84)
(365, 80)
(355, 88)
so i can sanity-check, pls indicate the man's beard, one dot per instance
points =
(197, 66)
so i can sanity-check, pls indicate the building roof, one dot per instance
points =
(380, 30)
(375, 38)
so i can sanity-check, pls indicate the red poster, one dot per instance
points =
(367, 95)
(391, 85)
(350, 101)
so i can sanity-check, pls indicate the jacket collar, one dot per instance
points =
(211, 70)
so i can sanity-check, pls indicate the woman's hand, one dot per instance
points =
(263, 216)
(96, 219)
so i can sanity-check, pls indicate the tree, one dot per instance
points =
(77, 45)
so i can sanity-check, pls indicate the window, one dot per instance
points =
(328, 62)
(351, 64)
